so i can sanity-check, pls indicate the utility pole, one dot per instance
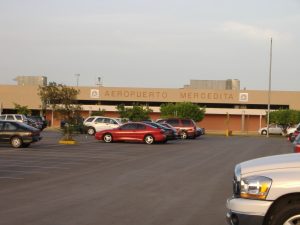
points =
(99, 84)
(269, 92)
(77, 79)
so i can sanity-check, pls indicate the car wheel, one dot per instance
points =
(264, 132)
(107, 138)
(16, 142)
(91, 131)
(183, 135)
(286, 215)
(149, 139)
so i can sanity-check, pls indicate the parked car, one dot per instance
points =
(133, 131)
(266, 191)
(171, 133)
(14, 117)
(200, 131)
(296, 144)
(273, 129)
(18, 134)
(40, 120)
(185, 127)
(34, 124)
(94, 124)
(294, 135)
(290, 130)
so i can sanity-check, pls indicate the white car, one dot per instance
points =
(14, 117)
(291, 130)
(273, 129)
(94, 124)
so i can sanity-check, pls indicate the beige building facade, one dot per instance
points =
(237, 110)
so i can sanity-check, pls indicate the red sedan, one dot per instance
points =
(139, 132)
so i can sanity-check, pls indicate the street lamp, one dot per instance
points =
(77, 79)
(269, 92)
(99, 84)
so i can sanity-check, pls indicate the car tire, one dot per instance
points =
(149, 139)
(16, 142)
(263, 132)
(183, 135)
(285, 214)
(91, 131)
(107, 138)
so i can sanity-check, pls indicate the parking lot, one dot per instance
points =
(183, 182)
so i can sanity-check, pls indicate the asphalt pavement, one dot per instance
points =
(183, 182)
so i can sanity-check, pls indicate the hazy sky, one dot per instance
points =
(151, 43)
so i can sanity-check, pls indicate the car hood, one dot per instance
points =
(271, 163)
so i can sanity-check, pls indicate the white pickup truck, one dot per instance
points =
(266, 191)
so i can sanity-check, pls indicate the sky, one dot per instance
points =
(151, 43)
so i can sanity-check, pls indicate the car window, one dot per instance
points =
(154, 125)
(173, 122)
(106, 120)
(90, 119)
(18, 117)
(112, 122)
(10, 117)
(186, 122)
(2, 117)
(9, 127)
(140, 126)
(99, 120)
(128, 126)
(1, 125)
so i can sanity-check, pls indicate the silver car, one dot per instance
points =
(273, 129)
(94, 124)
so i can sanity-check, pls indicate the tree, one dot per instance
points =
(63, 100)
(285, 117)
(100, 112)
(60, 98)
(22, 109)
(135, 113)
(182, 110)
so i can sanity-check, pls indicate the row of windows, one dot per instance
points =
(206, 105)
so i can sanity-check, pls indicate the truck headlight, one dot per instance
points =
(255, 187)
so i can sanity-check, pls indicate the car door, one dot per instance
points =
(140, 131)
(99, 124)
(113, 123)
(125, 132)
(110, 123)
(278, 129)
(8, 130)
(2, 137)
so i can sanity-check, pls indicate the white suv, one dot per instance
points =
(94, 124)
(14, 117)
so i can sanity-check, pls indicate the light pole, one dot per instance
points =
(99, 83)
(269, 92)
(77, 79)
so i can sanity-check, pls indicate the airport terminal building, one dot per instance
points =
(227, 106)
